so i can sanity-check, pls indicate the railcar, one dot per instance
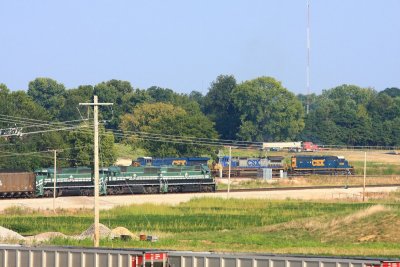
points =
(248, 166)
(179, 161)
(316, 164)
(159, 179)
(20, 184)
(299, 165)
(112, 180)
(69, 181)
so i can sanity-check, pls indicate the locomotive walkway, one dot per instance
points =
(108, 202)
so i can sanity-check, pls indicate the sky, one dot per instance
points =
(184, 45)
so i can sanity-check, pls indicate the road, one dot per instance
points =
(108, 202)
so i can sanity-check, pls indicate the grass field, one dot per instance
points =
(313, 180)
(208, 224)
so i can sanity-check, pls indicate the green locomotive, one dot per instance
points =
(116, 180)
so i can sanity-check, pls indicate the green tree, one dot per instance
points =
(29, 151)
(219, 106)
(164, 119)
(81, 147)
(4, 88)
(166, 95)
(131, 100)
(112, 91)
(268, 111)
(392, 92)
(47, 93)
(71, 109)
(198, 98)
(340, 117)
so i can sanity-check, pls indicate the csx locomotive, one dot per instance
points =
(314, 164)
(299, 165)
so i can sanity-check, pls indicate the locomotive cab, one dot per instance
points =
(145, 161)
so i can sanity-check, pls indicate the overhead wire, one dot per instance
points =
(181, 140)
(156, 137)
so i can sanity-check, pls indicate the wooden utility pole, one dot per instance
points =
(229, 169)
(55, 181)
(96, 104)
(365, 174)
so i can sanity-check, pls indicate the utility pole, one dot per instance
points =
(308, 57)
(96, 104)
(365, 174)
(54, 181)
(229, 169)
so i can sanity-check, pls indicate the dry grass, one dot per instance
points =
(377, 223)
(359, 215)
(372, 156)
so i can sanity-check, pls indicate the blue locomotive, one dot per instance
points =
(182, 161)
(299, 165)
(314, 164)
(248, 166)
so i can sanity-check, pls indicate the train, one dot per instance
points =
(180, 161)
(247, 166)
(113, 180)
(315, 164)
(299, 165)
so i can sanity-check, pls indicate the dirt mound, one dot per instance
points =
(44, 237)
(105, 232)
(119, 231)
(7, 234)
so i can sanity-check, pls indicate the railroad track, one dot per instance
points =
(301, 188)
(350, 176)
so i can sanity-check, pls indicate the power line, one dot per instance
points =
(181, 140)
(138, 134)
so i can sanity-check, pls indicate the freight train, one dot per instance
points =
(314, 164)
(247, 166)
(113, 180)
(181, 161)
(250, 166)
(299, 165)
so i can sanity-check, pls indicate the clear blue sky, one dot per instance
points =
(184, 45)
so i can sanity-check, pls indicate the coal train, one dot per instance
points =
(113, 180)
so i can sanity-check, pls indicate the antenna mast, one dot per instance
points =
(308, 56)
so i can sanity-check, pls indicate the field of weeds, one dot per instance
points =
(209, 224)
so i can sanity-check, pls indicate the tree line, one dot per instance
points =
(258, 110)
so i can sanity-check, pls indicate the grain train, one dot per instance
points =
(113, 180)
(299, 165)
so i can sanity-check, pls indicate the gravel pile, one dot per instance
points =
(105, 232)
(7, 234)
